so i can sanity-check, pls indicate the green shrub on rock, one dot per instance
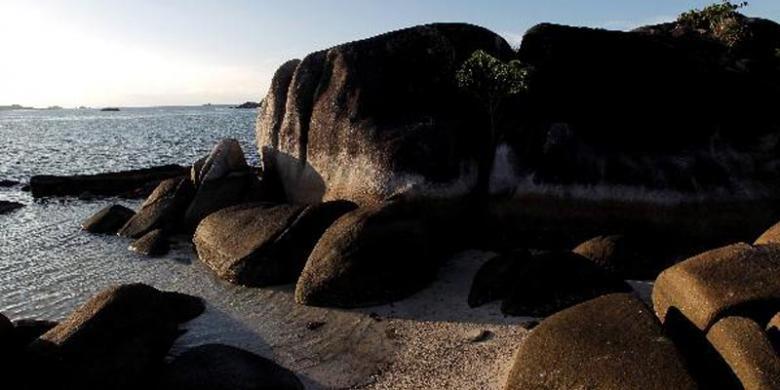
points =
(721, 21)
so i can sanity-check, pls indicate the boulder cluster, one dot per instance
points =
(178, 204)
(714, 326)
(120, 339)
(371, 156)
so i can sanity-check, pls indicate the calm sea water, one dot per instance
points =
(48, 266)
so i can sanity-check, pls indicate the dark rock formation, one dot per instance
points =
(28, 330)
(373, 255)
(369, 119)
(738, 279)
(744, 346)
(262, 244)
(222, 367)
(554, 281)
(117, 340)
(7, 207)
(248, 105)
(645, 109)
(6, 331)
(134, 184)
(163, 209)
(154, 243)
(108, 220)
(221, 180)
(8, 183)
(235, 242)
(612, 342)
(496, 278)
(628, 257)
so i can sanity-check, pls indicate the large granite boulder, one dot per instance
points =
(222, 367)
(553, 281)
(108, 220)
(163, 209)
(644, 109)
(745, 347)
(222, 179)
(117, 340)
(738, 279)
(261, 244)
(370, 256)
(611, 342)
(369, 119)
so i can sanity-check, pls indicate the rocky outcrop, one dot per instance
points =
(372, 255)
(117, 340)
(5, 183)
(222, 367)
(163, 209)
(369, 119)
(365, 120)
(644, 109)
(7, 207)
(738, 279)
(154, 243)
(134, 184)
(222, 180)
(108, 220)
(264, 244)
(745, 348)
(248, 105)
(612, 342)
(554, 281)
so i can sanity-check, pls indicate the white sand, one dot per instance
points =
(421, 342)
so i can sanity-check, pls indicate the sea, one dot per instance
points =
(48, 266)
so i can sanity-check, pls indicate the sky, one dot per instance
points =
(174, 52)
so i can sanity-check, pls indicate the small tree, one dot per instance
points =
(721, 20)
(491, 81)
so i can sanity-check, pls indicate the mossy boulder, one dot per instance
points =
(370, 256)
(738, 279)
(611, 342)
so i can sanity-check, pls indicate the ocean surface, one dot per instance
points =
(47, 265)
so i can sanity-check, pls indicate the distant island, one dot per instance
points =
(15, 107)
(109, 109)
(248, 105)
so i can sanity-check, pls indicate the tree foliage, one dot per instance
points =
(720, 20)
(490, 79)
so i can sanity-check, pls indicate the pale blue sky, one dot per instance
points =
(152, 52)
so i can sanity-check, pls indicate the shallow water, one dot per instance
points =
(48, 266)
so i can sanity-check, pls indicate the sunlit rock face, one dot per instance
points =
(658, 113)
(370, 119)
